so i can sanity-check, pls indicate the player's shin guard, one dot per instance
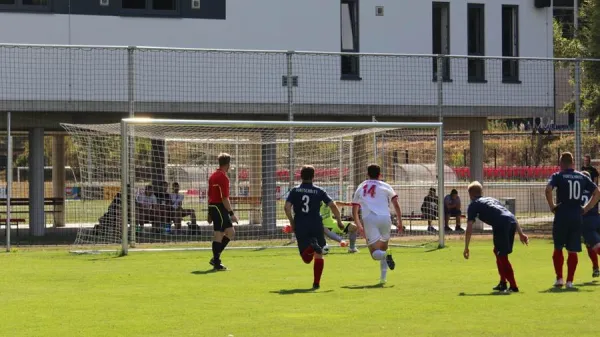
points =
(378, 255)
(224, 243)
(572, 261)
(499, 266)
(216, 250)
(507, 270)
(333, 236)
(558, 260)
(352, 236)
(318, 270)
(593, 257)
(307, 254)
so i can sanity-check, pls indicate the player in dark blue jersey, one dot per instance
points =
(568, 221)
(305, 201)
(591, 229)
(504, 225)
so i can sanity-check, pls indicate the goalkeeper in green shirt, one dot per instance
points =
(334, 232)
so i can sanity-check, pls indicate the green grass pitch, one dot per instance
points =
(431, 293)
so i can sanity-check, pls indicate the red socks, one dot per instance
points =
(318, 270)
(571, 266)
(558, 260)
(307, 254)
(593, 257)
(499, 266)
(507, 271)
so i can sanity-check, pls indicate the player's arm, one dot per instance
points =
(336, 213)
(355, 209)
(224, 186)
(468, 233)
(524, 239)
(288, 213)
(398, 211)
(343, 203)
(549, 198)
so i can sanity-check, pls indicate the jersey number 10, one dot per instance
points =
(370, 190)
(574, 189)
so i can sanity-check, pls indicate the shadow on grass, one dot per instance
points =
(493, 293)
(298, 291)
(588, 284)
(555, 290)
(370, 286)
(203, 272)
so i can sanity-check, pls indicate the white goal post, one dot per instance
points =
(152, 154)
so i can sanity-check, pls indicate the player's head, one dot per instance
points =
(587, 174)
(475, 190)
(224, 161)
(432, 191)
(149, 190)
(175, 187)
(587, 159)
(307, 173)
(566, 160)
(453, 193)
(374, 171)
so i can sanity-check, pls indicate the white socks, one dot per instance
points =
(384, 268)
(378, 255)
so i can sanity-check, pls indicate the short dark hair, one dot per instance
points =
(587, 156)
(374, 171)
(175, 184)
(566, 158)
(224, 159)
(432, 190)
(454, 191)
(307, 172)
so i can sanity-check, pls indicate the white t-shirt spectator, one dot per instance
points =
(146, 201)
(176, 200)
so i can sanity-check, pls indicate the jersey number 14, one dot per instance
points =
(369, 190)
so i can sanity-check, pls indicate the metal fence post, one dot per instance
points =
(124, 189)
(440, 149)
(290, 102)
(9, 179)
(577, 94)
(130, 154)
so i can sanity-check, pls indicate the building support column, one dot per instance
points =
(58, 177)
(37, 221)
(269, 189)
(157, 161)
(476, 155)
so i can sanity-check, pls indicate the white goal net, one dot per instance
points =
(167, 161)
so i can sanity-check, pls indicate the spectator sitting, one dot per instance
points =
(163, 201)
(429, 208)
(146, 207)
(452, 209)
(112, 217)
(587, 167)
(177, 211)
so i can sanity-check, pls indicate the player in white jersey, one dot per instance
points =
(373, 198)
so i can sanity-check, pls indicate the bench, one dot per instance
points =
(48, 202)
(418, 216)
(14, 222)
(246, 204)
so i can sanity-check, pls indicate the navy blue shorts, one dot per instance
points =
(504, 238)
(566, 231)
(304, 234)
(591, 230)
(220, 217)
(452, 212)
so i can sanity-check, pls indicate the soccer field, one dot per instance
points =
(431, 293)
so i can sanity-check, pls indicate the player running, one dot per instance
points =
(305, 200)
(373, 198)
(334, 232)
(220, 212)
(568, 222)
(591, 230)
(504, 225)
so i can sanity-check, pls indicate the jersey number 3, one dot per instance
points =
(305, 201)
(574, 189)
(370, 190)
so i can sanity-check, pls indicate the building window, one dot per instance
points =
(440, 20)
(150, 5)
(510, 43)
(476, 41)
(25, 5)
(349, 39)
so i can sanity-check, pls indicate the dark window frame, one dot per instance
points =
(18, 6)
(446, 61)
(510, 68)
(476, 67)
(148, 11)
(351, 61)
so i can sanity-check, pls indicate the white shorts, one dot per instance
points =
(377, 228)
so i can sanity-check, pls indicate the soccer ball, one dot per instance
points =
(325, 249)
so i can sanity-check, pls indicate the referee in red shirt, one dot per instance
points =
(220, 211)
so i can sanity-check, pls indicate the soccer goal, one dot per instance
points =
(128, 172)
